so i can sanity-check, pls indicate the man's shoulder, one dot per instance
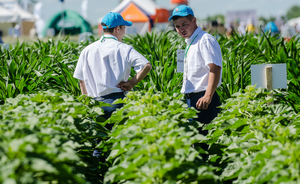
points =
(98, 45)
(91, 46)
(207, 37)
(124, 46)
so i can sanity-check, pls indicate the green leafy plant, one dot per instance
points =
(161, 51)
(30, 68)
(255, 142)
(49, 137)
(153, 142)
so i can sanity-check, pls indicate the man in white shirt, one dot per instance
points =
(104, 66)
(202, 65)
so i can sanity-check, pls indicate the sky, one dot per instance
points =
(201, 8)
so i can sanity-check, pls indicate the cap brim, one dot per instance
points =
(127, 23)
(179, 15)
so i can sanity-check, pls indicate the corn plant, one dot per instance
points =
(160, 49)
(240, 52)
(31, 67)
(28, 68)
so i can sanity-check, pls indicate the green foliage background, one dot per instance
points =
(48, 131)
(293, 12)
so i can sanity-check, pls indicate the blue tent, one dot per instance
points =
(271, 26)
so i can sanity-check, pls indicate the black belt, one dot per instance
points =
(108, 96)
(189, 95)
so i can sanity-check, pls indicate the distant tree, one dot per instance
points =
(266, 20)
(218, 17)
(293, 12)
(263, 19)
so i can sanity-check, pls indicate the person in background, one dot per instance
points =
(241, 29)
(221, 27)
(214, 27)
(230, 31)
(104, 66)
(217, 27)
(250, 27)
(1, 41)
(202, 66)
(33, 33)
(17, 30)
(297, 27)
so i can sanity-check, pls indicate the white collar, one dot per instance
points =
(196, 32)
(108, 36)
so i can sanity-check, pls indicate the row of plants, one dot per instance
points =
(49, 137)
(31, 67)
(152, 140)
(249, 142)
(255, 142)
(238, 53)
(39, 66)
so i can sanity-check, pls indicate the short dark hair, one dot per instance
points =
(109, 30)
(189, 17)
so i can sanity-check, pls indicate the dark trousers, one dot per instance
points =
(204, 116)
(110, 98)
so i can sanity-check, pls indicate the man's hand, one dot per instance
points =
(213, 80)
(125, 86)
(203, 102)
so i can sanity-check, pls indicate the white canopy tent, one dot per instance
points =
(14, 7)
(291, 28)
(20, 25)
(7, 20)
(24, 15)
(7, 16)
(294, 22)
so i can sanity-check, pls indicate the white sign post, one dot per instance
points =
(259, 75)
(270, 76)
(180, 60)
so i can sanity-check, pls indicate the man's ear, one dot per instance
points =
(117, 29)
(194, 19)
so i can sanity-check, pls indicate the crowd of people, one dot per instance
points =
(242, 28)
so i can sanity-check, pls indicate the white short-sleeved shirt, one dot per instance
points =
(204, 50)
(105, 63)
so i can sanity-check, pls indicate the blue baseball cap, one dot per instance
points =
(181, 11)
(114, 19)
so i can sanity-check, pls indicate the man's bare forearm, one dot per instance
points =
(213, 79)
(83, 88)
(141, 75)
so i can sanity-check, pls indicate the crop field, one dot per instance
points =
(48, 130)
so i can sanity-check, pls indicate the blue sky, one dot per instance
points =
(202, 8)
